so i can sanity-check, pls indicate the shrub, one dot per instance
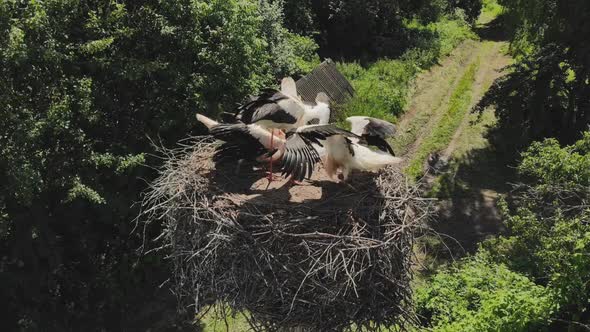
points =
(290, 54)
(381, 89)
(546, 93)
(84, 83)
(479, 295)
(547, 217)
(547, 163)
(369, 30)
(472, 8)
(548, 242)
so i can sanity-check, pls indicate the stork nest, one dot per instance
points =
(321, 255)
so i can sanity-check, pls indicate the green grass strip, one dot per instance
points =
(383, 87)
(451, 120)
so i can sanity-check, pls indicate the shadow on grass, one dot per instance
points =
(495, 30)
(469, 190)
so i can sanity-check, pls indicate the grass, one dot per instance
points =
(430, 96)
(490, 10)
(383, 87)
(234, 322)
(473, 138)
(472, 143)
(445, 129)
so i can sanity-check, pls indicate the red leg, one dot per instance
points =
(292, 182)
(271, 140)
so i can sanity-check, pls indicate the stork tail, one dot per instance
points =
(208, 122)
(369, 160)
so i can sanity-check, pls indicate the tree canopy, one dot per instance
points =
(548, 92)
(368, 29)
(85, 85)
(88, 87)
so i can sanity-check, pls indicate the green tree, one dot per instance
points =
(368, 30)
(547, 92)
(535, 277)
(547, 217)
(290, 54)
(84, 84)
(480, 295)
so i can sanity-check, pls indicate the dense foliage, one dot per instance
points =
(290, 54)
(368, 30)
(548, 92)
(382, 87)
(548, 241)
(480, 295)
(84, 84)
(548, 218)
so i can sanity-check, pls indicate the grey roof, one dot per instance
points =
(325, 78)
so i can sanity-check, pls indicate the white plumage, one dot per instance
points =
(289, 87)
(340, 149)
(339, 157)
(251, 138)
(310, 137)
(358, 124)
(283, 109)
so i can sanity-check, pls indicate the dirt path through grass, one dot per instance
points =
(434, 89)
(470, 186)
(492, 61)
(431, 95)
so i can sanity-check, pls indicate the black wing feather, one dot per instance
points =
(376, 132)
(318, 133)
(239, 143)
(379, 128)
(265, 107)
(313, 121)
(379, 143)
(300, 156)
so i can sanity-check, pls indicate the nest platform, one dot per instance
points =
(321, 255)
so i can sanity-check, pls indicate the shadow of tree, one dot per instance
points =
(469, 191)
(495, 30)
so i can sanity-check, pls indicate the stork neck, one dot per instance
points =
(321, 112)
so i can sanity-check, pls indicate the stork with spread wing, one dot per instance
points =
(283, 110)
(343, 150)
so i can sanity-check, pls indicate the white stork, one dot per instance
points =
(274, 109)
(284, 110)
(242, 141)
(344, 149)
(253, 141)
(373, 131)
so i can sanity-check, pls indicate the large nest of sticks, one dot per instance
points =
(320, 255)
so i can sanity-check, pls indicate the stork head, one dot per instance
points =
(322, 98)
(322, 112)
(289, 87)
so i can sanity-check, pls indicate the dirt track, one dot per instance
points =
(468, 213)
